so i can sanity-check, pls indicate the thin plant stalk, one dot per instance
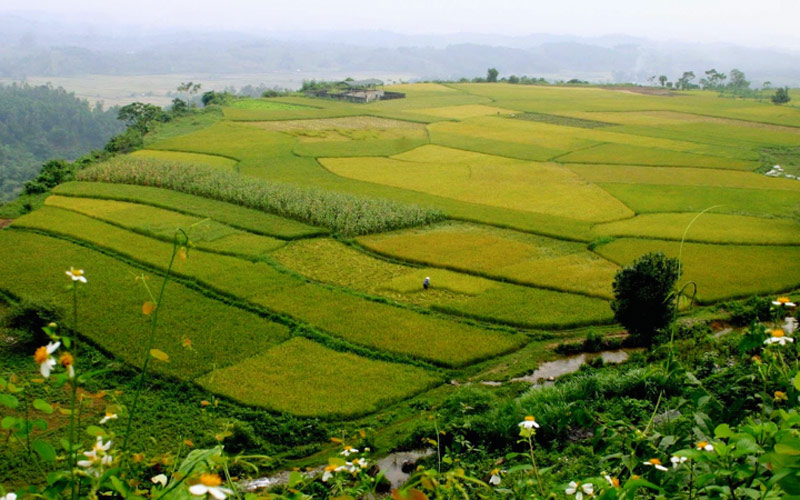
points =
(535, 468)
(74, 392)
(153, 325)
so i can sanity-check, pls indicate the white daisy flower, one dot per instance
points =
(76, 274)
(10, 496)
(704, 445)
(210, 484)
(529, 423)
(43, 357)
(783, 302)
(348, 450)
(778, 336)
(613, 481)
(98, 457)
(109, 416)
(654, 462)
(578, 489)
(677, 461)
(159, 479)
(495, 479)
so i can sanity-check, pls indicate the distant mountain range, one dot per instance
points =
(31, 46)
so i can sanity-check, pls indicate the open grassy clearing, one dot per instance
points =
(535, 187)
(666, 198)
(306, 379)
(160, 223)
(370, 324)
(625, 154)
(500, 254)
(33, 267)
(720, 271)
(682, 176)
(236, 216)
(183, 125)
(710, 228)
(191, 158)
(452, 292)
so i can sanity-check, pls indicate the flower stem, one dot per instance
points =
(153, 325)
(74, 391)
(535, 468)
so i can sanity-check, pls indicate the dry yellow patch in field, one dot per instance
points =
(465, 111)
(433, 153)
(531, 187)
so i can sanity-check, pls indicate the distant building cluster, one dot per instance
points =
(357, 91)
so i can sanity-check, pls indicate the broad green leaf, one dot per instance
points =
(44, 450)
(42, 406)
(295, 478)
(723, 431)
(9, 401)
(8, 423)
(94, 430)
(796, 381)
(159, 355)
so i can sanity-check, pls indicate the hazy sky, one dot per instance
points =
(764, 23)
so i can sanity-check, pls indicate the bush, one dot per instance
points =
(643, 301)
(753, 309)
(31, 316)
(781, 96)
(53, 172)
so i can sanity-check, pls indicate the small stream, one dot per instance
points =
(397, 468)
(549, 371)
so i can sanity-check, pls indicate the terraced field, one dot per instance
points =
(545, 192)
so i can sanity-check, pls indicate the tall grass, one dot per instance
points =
(341, 213)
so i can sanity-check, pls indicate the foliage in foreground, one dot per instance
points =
(340, 213)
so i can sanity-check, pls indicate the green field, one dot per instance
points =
(314, 222)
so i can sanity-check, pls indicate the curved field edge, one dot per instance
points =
(306, 379)
(236, 216)
(371, 324)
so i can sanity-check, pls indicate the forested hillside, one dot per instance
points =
(39, 123)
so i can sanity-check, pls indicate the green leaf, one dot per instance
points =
(796, 381)
(295, 478)
(43, 406)
(94, 430)
(8, 423)
(9, 401)
(159, 355)
(723, 431)
(3, 384)
(44, 450)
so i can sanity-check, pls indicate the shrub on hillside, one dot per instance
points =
(643, 295)
(341, 213)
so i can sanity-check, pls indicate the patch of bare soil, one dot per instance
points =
(5, 222)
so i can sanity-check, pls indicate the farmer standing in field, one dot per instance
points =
(426, 283)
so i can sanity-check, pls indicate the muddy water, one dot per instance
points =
(392, 466)
(551, 370)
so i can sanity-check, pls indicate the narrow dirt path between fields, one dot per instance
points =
(5, 222)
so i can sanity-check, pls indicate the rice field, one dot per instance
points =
(344, 385)
(520, 203)
(501, 254)
(720, 271)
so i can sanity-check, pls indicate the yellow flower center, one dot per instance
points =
(777, 333)
(530, 419)
(654, 461)
(77, 272)
(210, 479)
(702, 444)
(783, 300)
(635, 477)
(41, 355)
(330, 468)
(66, 360)
(615, 482)
(348, 448)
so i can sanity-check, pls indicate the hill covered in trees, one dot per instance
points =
(41, 122)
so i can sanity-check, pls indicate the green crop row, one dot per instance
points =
(720, 271)
(338, 212)
(708, 228)
(110, 307)
(379, 326)
(159, 223)
(501, 254)
(250, 220)
(627, 154)
(306, 379)
(451, 292)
